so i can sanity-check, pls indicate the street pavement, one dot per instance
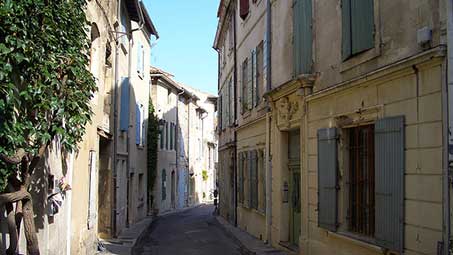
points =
(190, 232)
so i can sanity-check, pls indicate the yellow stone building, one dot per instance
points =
(353, 130)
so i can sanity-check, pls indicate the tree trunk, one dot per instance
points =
(29, 225)
(13, 235)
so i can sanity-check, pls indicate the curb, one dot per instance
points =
(225, 226)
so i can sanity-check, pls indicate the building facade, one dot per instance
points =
(357, 127)
(186, 155)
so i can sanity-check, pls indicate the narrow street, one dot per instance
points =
(193, 231)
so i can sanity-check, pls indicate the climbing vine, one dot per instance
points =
(45, 92)
(153, 137)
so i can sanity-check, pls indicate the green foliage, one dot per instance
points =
(204, 175)
(153, 137)
(45, 85)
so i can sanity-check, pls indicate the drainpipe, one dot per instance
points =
(269, 122)
(235, 93)
(448, 129)
(115, 120)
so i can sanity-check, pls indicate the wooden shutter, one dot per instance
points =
(166, 135)
(249, 175)
(327, 179)
(302, 36)
(124, 111)
(346, 29)
(254, 78)
(139, 58)
(255, 179)
(389, 182)
(265, 61)
(244, 8)
(362, 24)
(249, 82)
(137, 124)
(241, 178)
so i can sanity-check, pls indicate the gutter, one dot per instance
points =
(447, 105)
(269, 122)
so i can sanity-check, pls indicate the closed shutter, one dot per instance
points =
(139, 58)
(327, 178)
(302, 36)
(166, 135)
(346, 29)
(254, 73)
(249, 178)
(362, 24)
(231, 100)
(137, 124)
(255, 179)
(124, 112)
(220, 109)
(241, 178)
(265, 61)
(244, 8)
(250, 83)
(389, 182)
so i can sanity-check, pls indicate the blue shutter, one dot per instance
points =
(139, 58)
(346, 29)
(124, 111)
(137, 124)
(302, 36)
(327, 179)
(389, 182)
(362, 25)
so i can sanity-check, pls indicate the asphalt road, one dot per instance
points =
(191, 232)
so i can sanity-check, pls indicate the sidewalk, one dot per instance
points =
(127, 239)
(248, 243)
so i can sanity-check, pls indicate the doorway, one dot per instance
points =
(173, 190)
(294, 186)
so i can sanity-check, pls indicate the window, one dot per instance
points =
(244, 8)
(253, 169)
(140, 60)
(230, 88)
(361, 180)
(303, 38)
(171, 136)
(231, 35)
(124, 111)
(357, 26)
(244, 96)
(166, 135)
(164, 185)
(261, 181)
(138, 124)
(258, 74)
(162, 137)
(242, 166)
(372, 189)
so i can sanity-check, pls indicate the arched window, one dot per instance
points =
(164, 185)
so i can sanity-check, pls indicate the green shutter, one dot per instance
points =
(327, 179)
(249, 175)
(249, 83)
(302, 36)
(254, 73)
(241, 178)
(362, 23)
(389, 182)
(346, 28)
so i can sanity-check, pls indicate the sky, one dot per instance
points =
(186, 35)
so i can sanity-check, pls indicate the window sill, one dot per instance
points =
(360, 58)
(364, 242)
(140, 146)
(246, 114)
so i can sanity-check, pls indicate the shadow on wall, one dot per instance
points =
(48, 202)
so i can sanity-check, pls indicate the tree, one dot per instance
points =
(45, 92)
(153, 137)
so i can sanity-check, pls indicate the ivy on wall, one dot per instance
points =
(45, 93)
(153, 137)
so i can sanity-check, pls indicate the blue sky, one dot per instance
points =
(187, 30)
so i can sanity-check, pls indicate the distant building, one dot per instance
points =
(187, 117)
